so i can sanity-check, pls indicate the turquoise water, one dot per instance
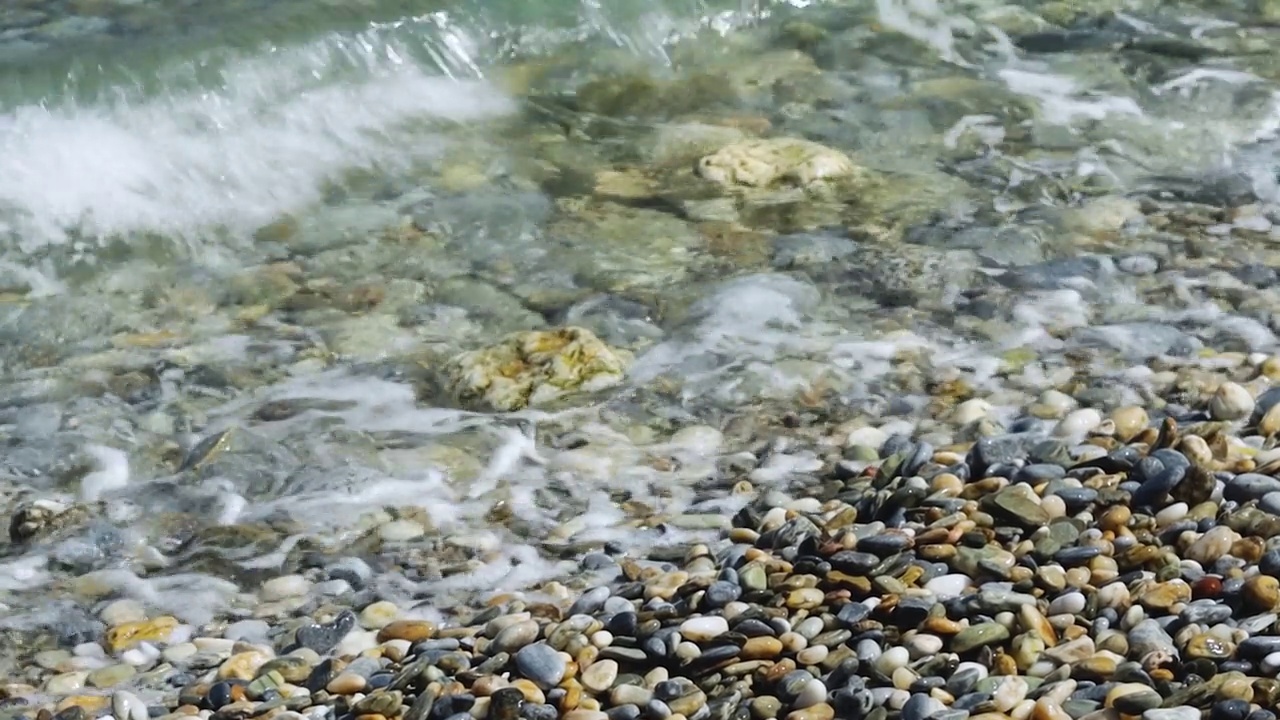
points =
(281, 219)
(193, 119)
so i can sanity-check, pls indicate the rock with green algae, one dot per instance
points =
(533, 368)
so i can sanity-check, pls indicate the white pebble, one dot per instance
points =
(701, 629)
(813, 693)
(1172, 514)
(401, 531)
(356, 642)
(1271, 664)
(285, 586)
(774, 518)
(1231, 402)
(891, 659)
(924, 645)
(971, 411)
(128, 706)
(251, 631)
(947, 587)
(182, 651)
(89, 650)
(139, 656)
(699, 439)
(378, 615)
(332, 587)
(1058, 400)
(181, 634)
(1078, 423)
(1041, 668)
(867, 437)
(119, 612)
(1071, 603)
(810, 505)
(1011, 691)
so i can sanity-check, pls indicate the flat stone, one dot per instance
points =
(542, 664)
(702, 629)
(1021, 505)
(127, 635)
(976, 636)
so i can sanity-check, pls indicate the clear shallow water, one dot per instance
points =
(276, 221)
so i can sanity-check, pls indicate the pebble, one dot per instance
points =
(989, 575)
(542, 664)
(283, 587)
(127, 706)
(111, 675)
(378, 615)
(125, 610)
(702, 629)
(1231, 402)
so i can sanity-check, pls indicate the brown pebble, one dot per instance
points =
(1129, 421)
(412, 630)
(1096, 667)
(488, 685)
(1045, 709)
(936, 625)
(1235, 686)
(1162, 596)
(572, 696)
(532, 693)
(761, 648)
(1262, 592)
(1115, 518)
(126, 635)
(346, 684)
(242, 666)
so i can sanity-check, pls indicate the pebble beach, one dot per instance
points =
(846, 360)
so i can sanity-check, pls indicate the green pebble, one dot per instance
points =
(975, 636)
(111, 675)
(765, 707)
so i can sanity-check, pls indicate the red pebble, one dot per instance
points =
(1208, 586)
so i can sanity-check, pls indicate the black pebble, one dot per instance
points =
(1229, 710)
(219, 695)
(323, 638)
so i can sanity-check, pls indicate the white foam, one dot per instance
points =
(515, 448)
(112, 473)
(1062, 100)
(924, 21)
(262, 142)
(748, 316)
(1185, 82)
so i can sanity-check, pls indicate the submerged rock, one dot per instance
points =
(532, 368)
(776, 162)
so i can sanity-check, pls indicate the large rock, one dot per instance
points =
(776, 162)
(533, 368)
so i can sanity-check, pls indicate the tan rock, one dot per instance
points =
(535, 367)
(775, 161)
(126, 635)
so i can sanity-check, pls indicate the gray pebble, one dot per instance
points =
(542, 664)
